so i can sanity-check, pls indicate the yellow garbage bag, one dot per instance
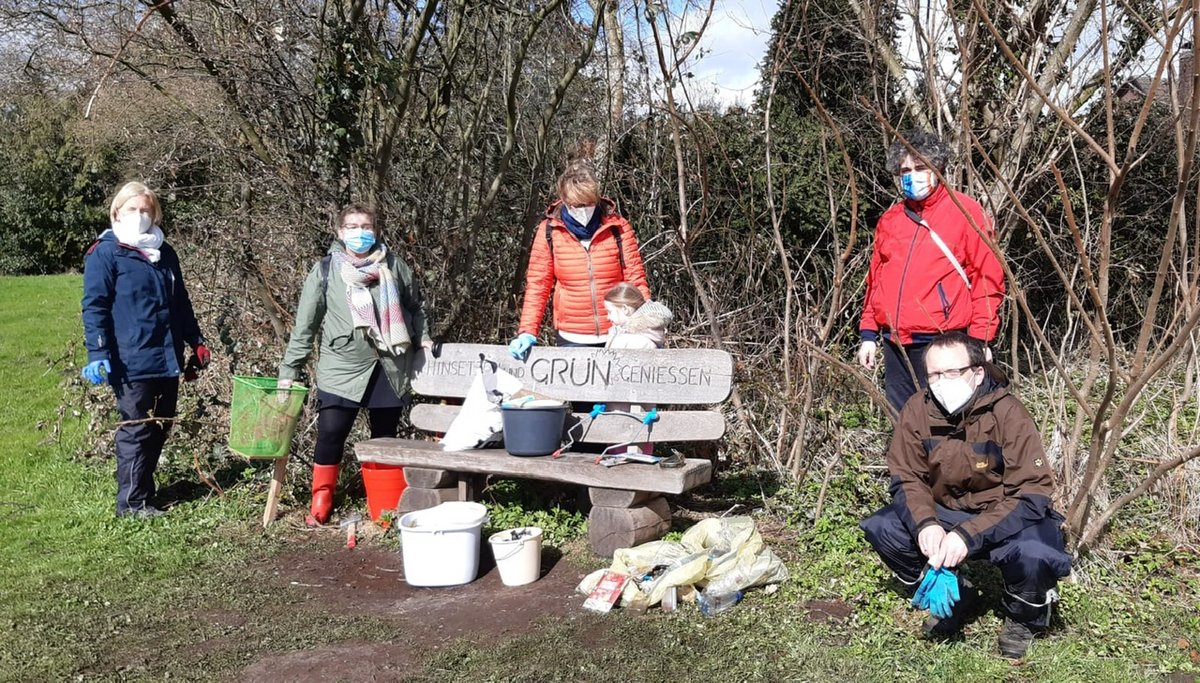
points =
(712, 548)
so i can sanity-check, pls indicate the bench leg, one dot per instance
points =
(470, 486)
(420, 499)
(427, 488)
(611, 528)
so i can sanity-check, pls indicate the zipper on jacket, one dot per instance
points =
(903, 276)
(945, 301)
(592, 284)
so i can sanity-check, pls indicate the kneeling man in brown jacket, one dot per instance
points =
(970, 480)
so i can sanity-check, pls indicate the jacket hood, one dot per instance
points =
(649, 316)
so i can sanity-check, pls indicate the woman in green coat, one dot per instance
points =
(362, 302)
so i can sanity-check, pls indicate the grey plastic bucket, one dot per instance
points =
(534, 428)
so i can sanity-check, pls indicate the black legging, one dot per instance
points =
(335, 422)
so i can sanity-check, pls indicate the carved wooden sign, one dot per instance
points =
(585, 374)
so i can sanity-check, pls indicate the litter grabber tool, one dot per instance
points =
(618, 453)
(350, 524)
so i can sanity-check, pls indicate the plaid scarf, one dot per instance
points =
(385, 327)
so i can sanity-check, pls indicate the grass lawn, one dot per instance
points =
(84, 596)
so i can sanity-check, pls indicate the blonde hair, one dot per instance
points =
(135, 189)
(625, 294)
(577, 186)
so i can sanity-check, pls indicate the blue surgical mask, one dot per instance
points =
(918, 185)
(358, 240)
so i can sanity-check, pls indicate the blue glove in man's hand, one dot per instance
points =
(519, 347)
(921, 597)
(96, 371)
(943, 594)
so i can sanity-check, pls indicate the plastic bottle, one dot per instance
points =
(712, 603)
(721, 594)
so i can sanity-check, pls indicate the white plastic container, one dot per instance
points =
(518, 555)
(440, 546)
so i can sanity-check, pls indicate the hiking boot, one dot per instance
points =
(1015, 639)
(937, 629)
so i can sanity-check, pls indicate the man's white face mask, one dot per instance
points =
(953, 394)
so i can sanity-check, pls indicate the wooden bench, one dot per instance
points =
(628, 504)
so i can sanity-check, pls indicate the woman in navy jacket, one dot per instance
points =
(136, 319)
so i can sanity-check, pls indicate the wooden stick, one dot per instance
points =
(273, 493)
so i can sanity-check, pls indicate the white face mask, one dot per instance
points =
(953, 394)
(582, 214)
(918, 185)
(134, 222)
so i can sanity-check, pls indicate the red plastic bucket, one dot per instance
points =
(384, 484)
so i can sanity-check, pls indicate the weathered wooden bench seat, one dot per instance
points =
(628, 507)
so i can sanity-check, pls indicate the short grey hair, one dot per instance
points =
(928, 144)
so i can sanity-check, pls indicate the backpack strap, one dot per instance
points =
(325, 261)
(620, 248)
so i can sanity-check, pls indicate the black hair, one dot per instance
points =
(928, 144)
(976, 355)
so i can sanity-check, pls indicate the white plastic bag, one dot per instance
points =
(479, 422)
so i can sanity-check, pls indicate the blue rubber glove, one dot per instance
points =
(96, 371)
(519, 347)
(943, 593)
(921, 597)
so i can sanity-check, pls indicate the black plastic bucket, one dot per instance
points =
(534, 428)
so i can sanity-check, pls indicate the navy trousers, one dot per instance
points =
(1031, 561)
(140, 445)
(897, 378)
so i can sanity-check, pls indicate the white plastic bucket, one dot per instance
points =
(518, 555)
(440, 545)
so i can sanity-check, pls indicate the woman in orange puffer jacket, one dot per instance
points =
(580, 250)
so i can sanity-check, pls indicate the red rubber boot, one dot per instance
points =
(324, 481)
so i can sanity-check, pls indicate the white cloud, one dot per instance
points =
(733, 45)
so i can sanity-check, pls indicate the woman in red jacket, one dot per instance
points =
(580, 250)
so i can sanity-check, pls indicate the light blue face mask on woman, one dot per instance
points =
(358, 240)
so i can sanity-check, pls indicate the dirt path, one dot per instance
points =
(369, 580)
